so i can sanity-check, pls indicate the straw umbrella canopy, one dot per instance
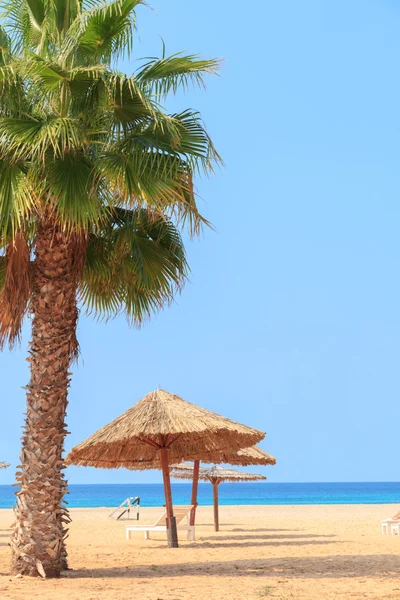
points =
(248, 456)
(215, 475)
(244, 457)
(162, 428)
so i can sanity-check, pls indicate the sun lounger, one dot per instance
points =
(390, 526)
(180, 513)
(124, 509)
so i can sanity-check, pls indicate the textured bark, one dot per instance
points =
(38, 546)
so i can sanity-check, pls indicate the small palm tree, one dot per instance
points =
(95, 182)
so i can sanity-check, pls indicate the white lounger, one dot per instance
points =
(180, 512)
(131, 503)
(390, 526)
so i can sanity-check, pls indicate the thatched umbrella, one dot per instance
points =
(161, 429)
(245, 457)
(248, 456)
(215, 475)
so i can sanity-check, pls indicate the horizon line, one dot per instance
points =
(188, 482)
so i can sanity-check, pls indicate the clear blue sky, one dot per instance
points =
(291, 320)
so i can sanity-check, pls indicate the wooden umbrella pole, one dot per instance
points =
(171, 522)
(216, 515)
(195, 486)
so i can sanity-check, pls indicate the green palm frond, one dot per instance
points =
(34, 138)
(81, 80)
(16, 199)
(18, 23)
(172, 73)
(11, 92)
(127, 103)
(133, 265)
(65, 13)
(28, 24)
(143, 177)
(101, 33)
(182, 134)
(37, 12)
(5, 48)
(12, 95)
(47, 75)
(57, 87)
(71, 189)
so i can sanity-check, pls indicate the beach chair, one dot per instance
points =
(123, 511)
(390, 526)
(180, 513)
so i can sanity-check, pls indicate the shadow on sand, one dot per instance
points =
(249, 543)
(257, 530)
(333, 566)
(222, 538)
(5, 536)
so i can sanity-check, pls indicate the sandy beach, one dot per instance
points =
(283, 552)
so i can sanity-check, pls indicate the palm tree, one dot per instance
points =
(96, 180)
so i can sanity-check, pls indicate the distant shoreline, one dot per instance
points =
(263, 483)
(230, 494)
(100, 509)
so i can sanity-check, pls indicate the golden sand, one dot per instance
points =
(286, 552)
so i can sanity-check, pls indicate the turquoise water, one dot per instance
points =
(82, 496)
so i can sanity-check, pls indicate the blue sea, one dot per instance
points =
(97, 495)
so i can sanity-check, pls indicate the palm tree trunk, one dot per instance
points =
(37, 543)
